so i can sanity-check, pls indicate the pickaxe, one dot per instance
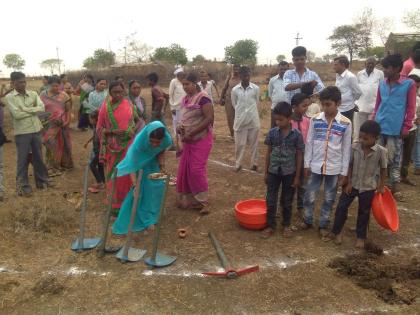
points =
(229, 271)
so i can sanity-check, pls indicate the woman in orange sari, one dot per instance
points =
(56, 136)
(115, 129)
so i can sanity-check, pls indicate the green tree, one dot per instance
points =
(412, 19)
(51, 64)
(347, 38)
(327, 58)
(377, 51)
(242, 52)
(174, 54)
(14, 61)
(101, 59)
(199, 59)
(280, 58)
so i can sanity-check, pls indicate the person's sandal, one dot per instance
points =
(94, 189)
(204, 210)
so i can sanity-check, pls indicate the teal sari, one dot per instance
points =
(142, 156)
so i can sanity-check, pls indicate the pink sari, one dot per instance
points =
(192, 184)
(114, 147)
(56, 137)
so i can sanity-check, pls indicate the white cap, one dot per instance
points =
(179, 70)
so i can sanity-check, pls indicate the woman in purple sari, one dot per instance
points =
(195, 130)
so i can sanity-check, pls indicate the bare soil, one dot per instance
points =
(39, 274)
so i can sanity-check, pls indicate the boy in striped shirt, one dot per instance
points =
(327, 157)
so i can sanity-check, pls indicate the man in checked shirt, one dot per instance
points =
(296, 78)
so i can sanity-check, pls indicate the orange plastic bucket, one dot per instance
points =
(384, 209)
(252, 213)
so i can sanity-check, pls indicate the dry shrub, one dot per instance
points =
(48, 285)
(42, 212)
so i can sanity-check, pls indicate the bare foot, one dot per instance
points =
(329, 237)
(360, 243)
(323, 233)
(338, 239)
(267, 233)
(287, 232)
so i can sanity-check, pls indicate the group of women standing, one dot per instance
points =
(128, 144)
(147, 153)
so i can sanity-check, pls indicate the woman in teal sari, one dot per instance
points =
(147, 154)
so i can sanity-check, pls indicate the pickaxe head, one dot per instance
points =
(231, 273)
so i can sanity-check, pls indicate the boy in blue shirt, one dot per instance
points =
(283, 167)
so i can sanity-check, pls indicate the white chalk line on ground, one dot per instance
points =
(232, 167)
(410, 211)
(175, 271)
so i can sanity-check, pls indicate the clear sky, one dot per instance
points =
(34, 29)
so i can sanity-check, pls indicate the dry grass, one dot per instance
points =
(39, 214)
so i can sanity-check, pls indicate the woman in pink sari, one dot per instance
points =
(56, 135)
(197, 140)
(115, 129)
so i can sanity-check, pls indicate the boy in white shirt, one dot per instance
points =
(245, 97)
(327, 157)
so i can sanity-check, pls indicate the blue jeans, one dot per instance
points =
(416, 150)
(394, 146)
(312, 189)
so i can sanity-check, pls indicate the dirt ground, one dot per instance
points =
(39, 274)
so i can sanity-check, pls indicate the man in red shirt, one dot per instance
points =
(409, 63)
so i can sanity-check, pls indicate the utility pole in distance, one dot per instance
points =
(58, 61)
(297, 38)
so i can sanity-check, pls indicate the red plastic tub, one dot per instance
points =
(384, 209)
(252, 213)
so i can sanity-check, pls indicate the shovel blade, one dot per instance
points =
(112, 249)
(161, 260)
(134, 254)
(87, 243)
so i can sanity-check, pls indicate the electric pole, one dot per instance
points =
(58, 62)
(297, 38)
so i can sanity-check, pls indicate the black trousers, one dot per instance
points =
(97, 169)
(349, 114)
(363, 213)
(287, 193)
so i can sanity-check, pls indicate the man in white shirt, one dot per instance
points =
(348, 86)
(176, 93)
(276, 90)
(245, 97)
(368, 80)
